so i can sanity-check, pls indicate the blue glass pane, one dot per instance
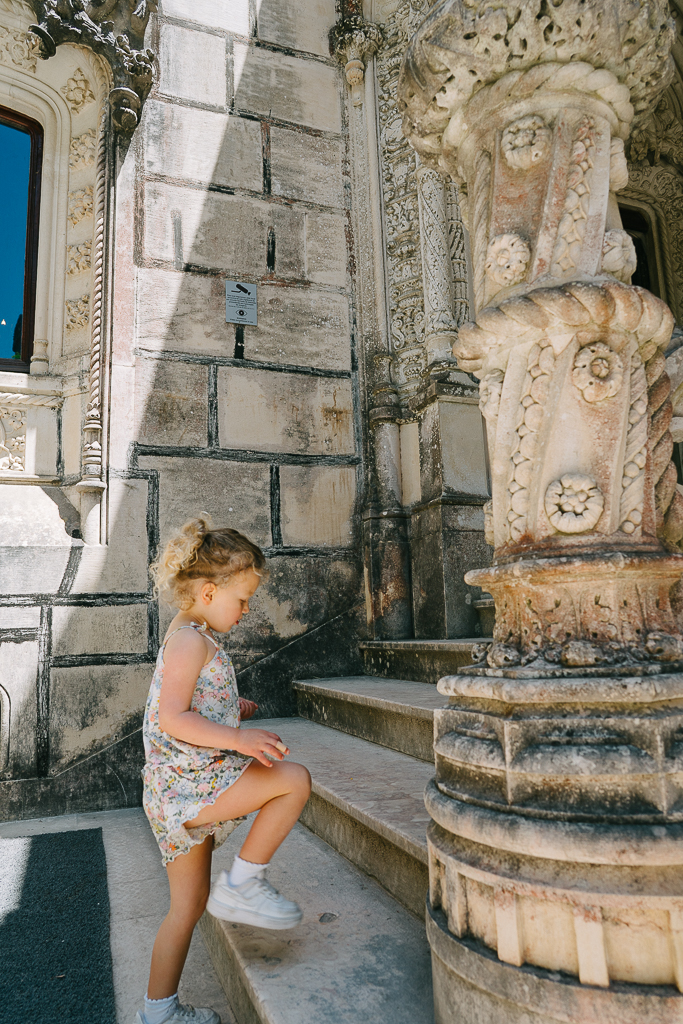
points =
(15, 163)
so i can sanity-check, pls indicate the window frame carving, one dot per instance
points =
(13, 119)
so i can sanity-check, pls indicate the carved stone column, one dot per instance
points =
(440, 328)
(556, 847)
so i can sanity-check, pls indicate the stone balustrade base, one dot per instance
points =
(472, 986)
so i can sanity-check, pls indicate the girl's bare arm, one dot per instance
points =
(184, 657)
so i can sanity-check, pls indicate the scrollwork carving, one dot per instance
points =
(19, 49)
(77, 313)
(12, 438)
(80, 205)
(78, 258)
(619, 255)
(82, 151)
(115, 30)
(77, 92)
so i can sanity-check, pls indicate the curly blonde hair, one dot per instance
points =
(200, 552)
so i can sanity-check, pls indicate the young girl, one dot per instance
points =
(202, 772)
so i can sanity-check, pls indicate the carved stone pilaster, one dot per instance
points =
(552, 765)
(115, 29)
(440, 327)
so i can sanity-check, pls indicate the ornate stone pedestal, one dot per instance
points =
(556, 846)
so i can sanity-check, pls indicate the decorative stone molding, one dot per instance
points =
(619, 255)
(353, 41)
(114, 29)
(426, 270)
(80, 205)
(12, 437)
(19, 49)
(440, 326)
(528, 105)
(77, 92)
(506, 260)
(82, 153)
(77, 313)
(79, 258)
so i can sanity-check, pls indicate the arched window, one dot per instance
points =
(638, 225)
(20, 167)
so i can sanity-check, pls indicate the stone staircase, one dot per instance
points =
(357, 862)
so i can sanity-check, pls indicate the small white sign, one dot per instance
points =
(240, 303)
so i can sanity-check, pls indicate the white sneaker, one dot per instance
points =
(186, 1014)
(253, 902)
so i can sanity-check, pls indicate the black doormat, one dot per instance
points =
(55, 959)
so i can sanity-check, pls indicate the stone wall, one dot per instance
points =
(238, 170)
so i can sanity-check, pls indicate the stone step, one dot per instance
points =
(367, 803)
(424, 660)
(392, 712)
(356, 957)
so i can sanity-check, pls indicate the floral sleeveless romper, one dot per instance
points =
(180, 779)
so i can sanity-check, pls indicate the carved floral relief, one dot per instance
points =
(12, 438)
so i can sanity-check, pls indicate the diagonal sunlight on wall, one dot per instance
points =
(237, 171)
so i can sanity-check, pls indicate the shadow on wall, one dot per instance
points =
(237, 172)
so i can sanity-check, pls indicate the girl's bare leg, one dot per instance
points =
(279, 792)
(189, 877)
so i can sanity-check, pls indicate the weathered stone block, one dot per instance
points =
(193, 65)
(121, 564)
(183, 313)
(302, 26)
(232, 16)
(234, 493)
(282, 412)
(326, 250)
(202, 145)
(112, 629)
(171, 404)
(93, 706)
(186, 313)
(300, 593)
(305, 167)
(317, 505)
(18, 708)
(212, 230)
(300, 326)
(19, 618)
(293, 89)
(462, 439)
(35, 546)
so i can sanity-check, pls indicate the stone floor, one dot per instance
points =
(138, 896)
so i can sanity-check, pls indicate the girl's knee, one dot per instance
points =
(301, 778)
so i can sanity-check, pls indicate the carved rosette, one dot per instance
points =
(115, 29)
(528, 106)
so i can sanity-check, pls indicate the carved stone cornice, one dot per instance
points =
(353, 40)
(115, 29)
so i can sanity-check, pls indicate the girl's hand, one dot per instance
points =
(247, 708)
(257, 743)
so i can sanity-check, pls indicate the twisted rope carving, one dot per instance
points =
(480, 216)
(668, 500)
(11, 398)
(633, 487)
(92, 452)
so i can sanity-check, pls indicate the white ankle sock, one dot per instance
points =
(242, 870)
(159, 1010)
